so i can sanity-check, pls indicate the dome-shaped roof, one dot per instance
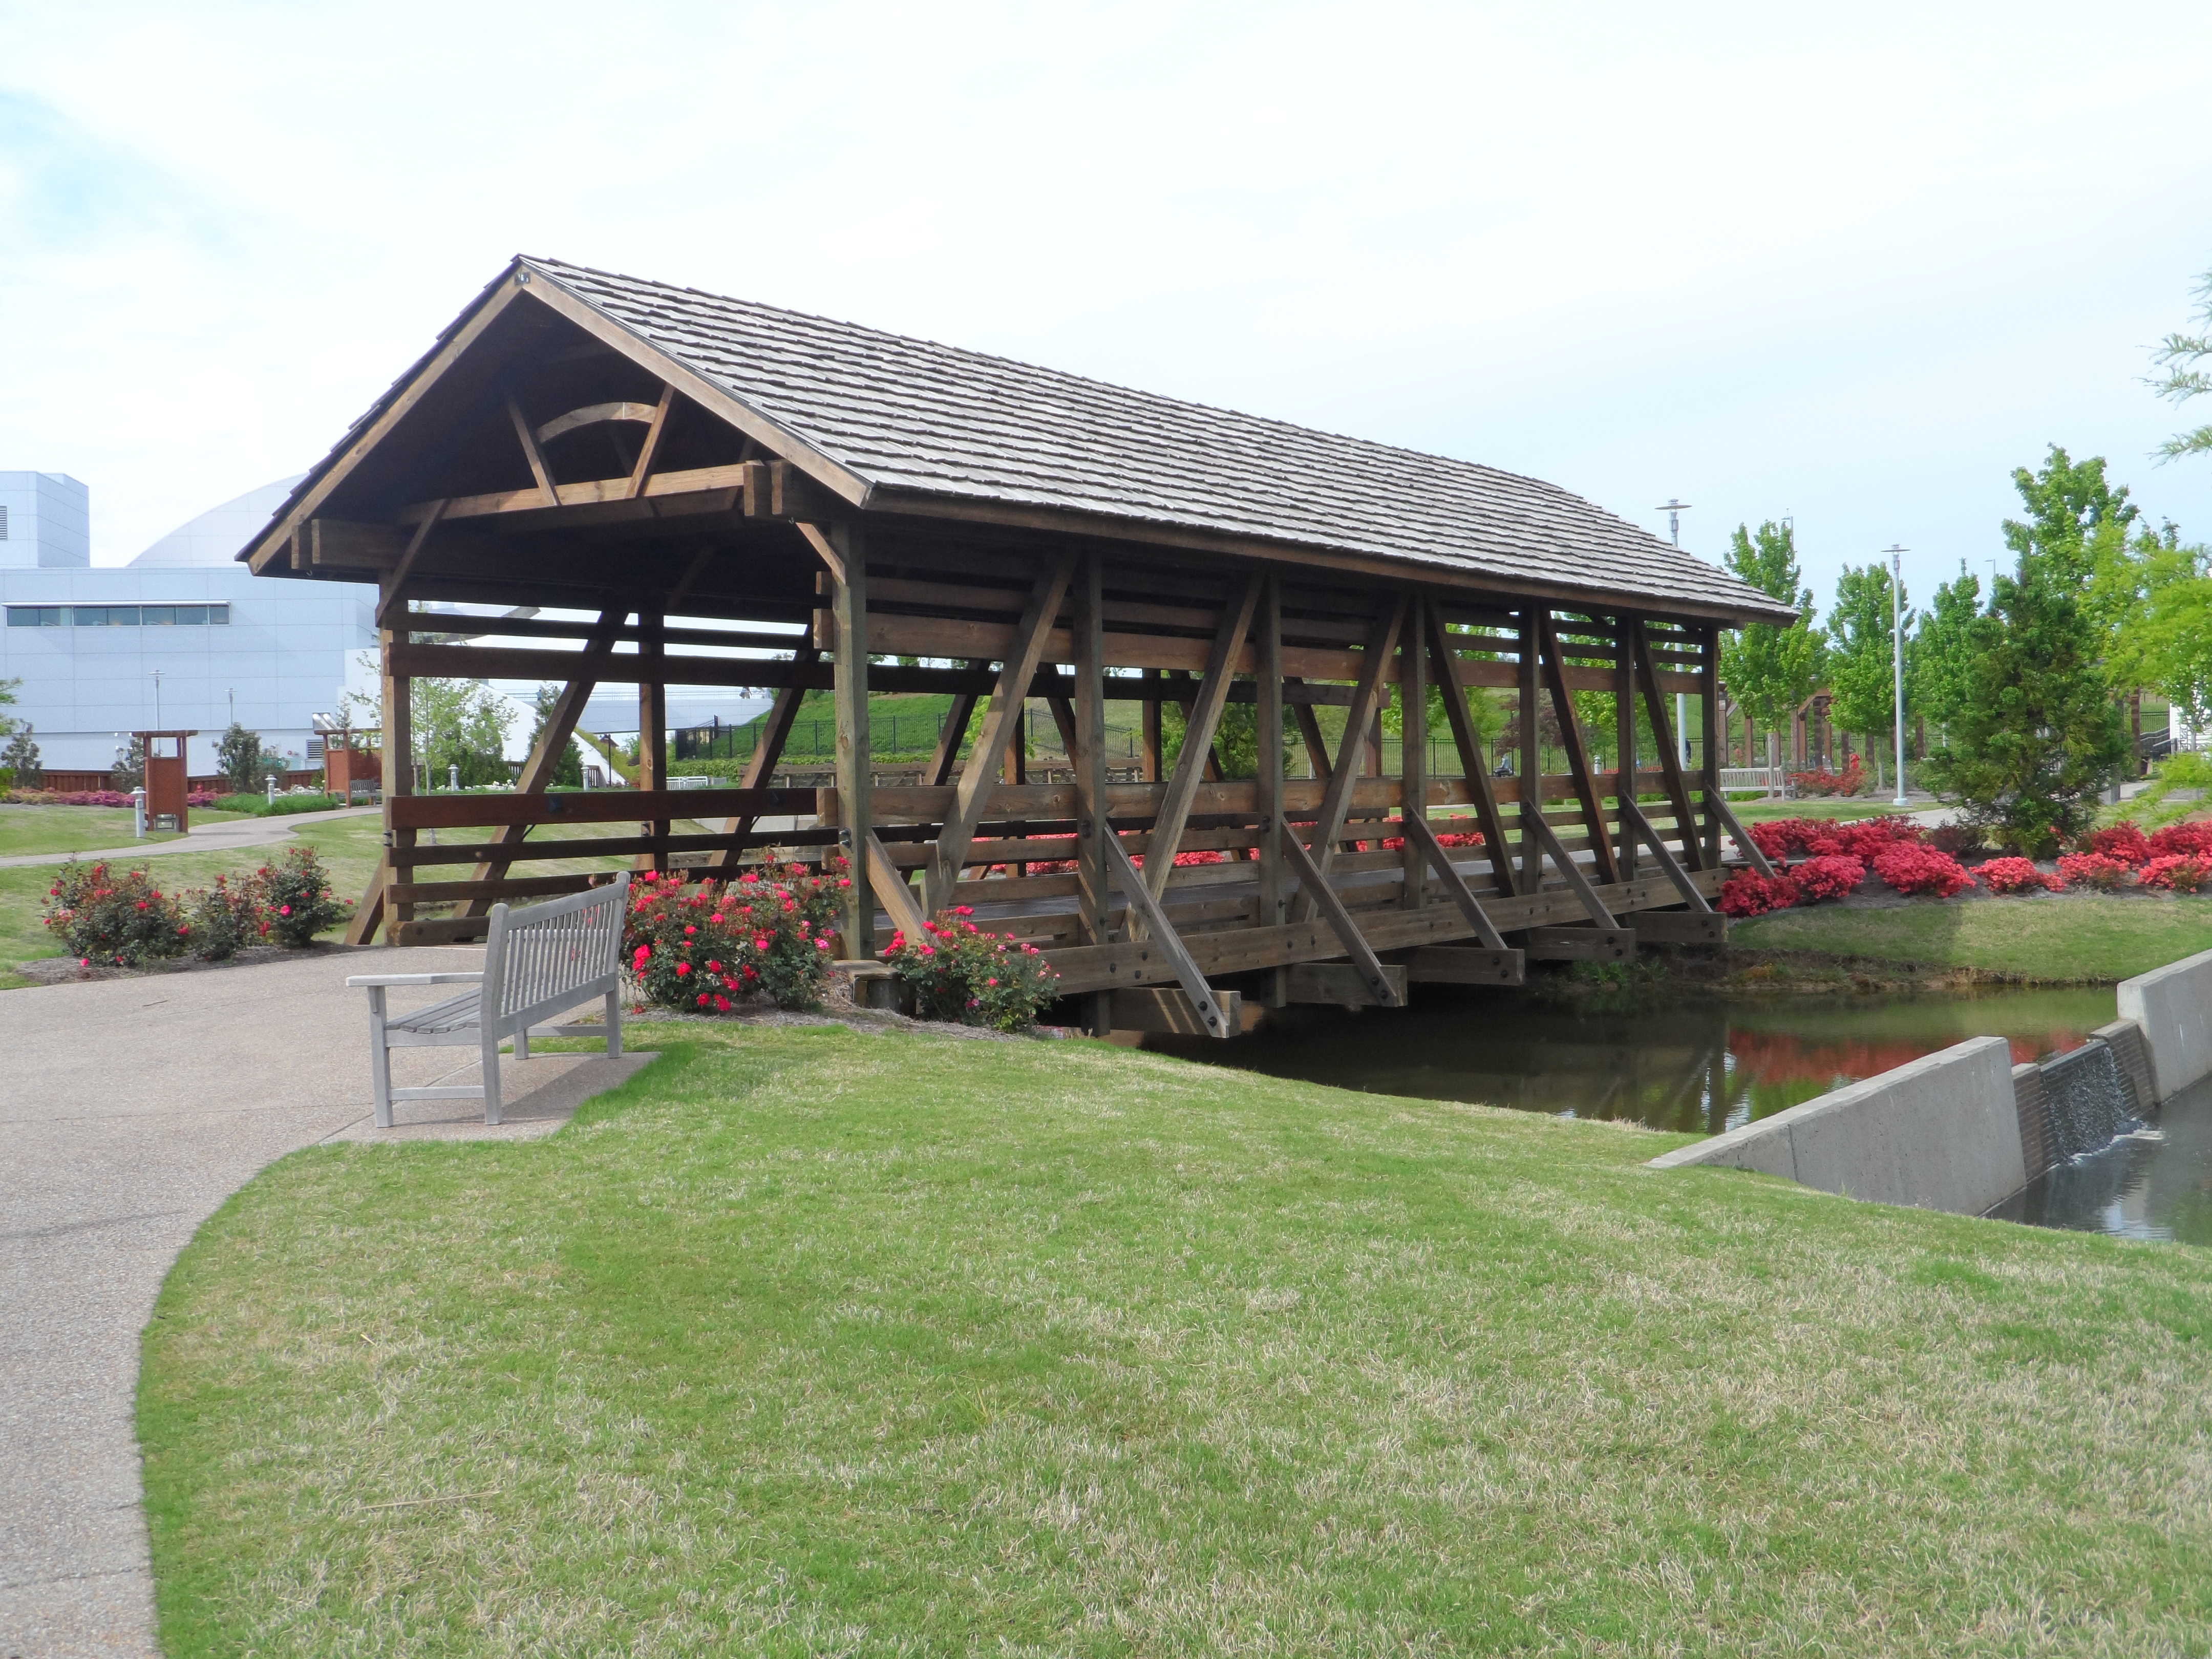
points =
(216, 536)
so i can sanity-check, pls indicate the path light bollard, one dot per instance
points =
(453, 775)
(138, 813)
(271, 781)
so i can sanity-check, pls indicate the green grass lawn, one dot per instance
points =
(25, 829)
(813, 1341)
(2070, 938)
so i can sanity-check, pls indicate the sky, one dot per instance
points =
(1849, 266)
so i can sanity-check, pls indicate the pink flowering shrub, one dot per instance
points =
(2124, 841)
(1832, 876)
(114, 921)
(2014, 876)
(1908, 868)
(2094, 870)
(958, 972)
(2176, 872)
(2184, 838)
(1748, 893)
(197, 798)
(701, 946)
(225, 919)
(295, 900)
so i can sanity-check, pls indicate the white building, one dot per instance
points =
(182, 638)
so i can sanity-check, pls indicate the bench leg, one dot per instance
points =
(380, 1058)
(522, 1045)
(614, 1025)
(491, 1081)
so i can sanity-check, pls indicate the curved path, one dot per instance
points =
(207, 838)
(133, 1108)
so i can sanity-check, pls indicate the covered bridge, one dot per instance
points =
(724, 494)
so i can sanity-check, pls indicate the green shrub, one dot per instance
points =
(120, 920)
(294, 898)
(963, 974)
(261, 807)
(223, 919)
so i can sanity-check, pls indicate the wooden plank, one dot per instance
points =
(1709, 701)
(939, 771)
(1570, 737)
(1159, 932)
(1691, 926)
(390, 601)
(1424, 841)
(651, 776)
(1268, 846)
(412, 811)
(1461, 964)
(1357, 722)
(1204, 718)
(1716, 803)
(1310, 732)
(1313, 885)
(855, 778)
(1624, 740)
(532, 453)
(889, 884)
(650, 450)
(1170, 1012)
(682, 848)
(399, 766)
(368, 914)
(1632, 816)
(768, 749)
(1414, 746)
(1468, 742)
(1342, 985)
(1580, 944)
(1016, 671)
(492, 891)
(1528, 768)
(1577, 881)
(1099, 852)
(1670, 750)
(592, 415)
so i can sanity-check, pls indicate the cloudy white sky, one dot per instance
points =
(1851, 267)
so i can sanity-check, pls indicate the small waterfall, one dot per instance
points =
(2087, 1101)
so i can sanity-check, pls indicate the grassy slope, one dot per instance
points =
(815, 1341)
(2071, 937)
(27, 830)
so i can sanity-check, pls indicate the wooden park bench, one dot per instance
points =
(539, 961)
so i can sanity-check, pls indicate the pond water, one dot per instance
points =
(1698, 1065)
(2153, 1185)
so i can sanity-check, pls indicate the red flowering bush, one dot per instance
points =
(1833, 876)
(1779, 837)
(1748, 893)
(2093, 870)
(2124, 841)
(1822, 782)
(224, 918)
(1868, 838)
(2018, 875)
(1921, 869)
(199, 798)
(2184, 838)
(1957, 839)
(295, 899)
(700, 946)
(2176, 872)
(958, 972)
(120, 921)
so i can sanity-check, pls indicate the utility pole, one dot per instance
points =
(1674, 510)
(157, 674)
(1897, 655)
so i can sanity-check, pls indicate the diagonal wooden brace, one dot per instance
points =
(1440, 858)
(1580, 883)
(1147, 909)
(1716, 803)
(1668, 862)
(1312, 881)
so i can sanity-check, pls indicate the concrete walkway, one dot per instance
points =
(130, 1108)
(207, 838)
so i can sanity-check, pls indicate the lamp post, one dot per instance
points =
(1897, 655)
(1675, 510)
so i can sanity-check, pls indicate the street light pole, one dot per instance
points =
(1674, 510)
(1897, 655)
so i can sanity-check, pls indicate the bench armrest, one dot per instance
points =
(476, 978)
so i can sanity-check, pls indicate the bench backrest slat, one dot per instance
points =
(547, 958)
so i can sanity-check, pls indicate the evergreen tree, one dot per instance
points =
(238, 756)
(1770, 669)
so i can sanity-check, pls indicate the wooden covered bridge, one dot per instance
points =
(718, 493)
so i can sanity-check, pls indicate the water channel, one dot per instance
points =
(1704, 1065)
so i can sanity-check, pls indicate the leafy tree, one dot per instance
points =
(462, 724)
(569, 770)
(7, 697)
(21, 758)
(129, 766)
(239, 757)
(1770, 669)
(2180, 355)
(2036, 733)
(1938, 656)
(1861, 661)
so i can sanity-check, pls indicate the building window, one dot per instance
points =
(118, 615)
(4, 523)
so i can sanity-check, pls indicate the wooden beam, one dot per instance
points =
(957, 719)
(1015, 674)
(1693, 927)
(855, 777)
(1170, 1012)
(1341, 984)
(1268, 853)
(653, 719)
(1633, 814)
(1160, 935)
(1458, 964)
(650, 450)
(1153, 746)
(532, 453)
(1709, 701)
(1086, 735)
(1337, 802)
(592, 415)
(1624, 738)
(393, 601)
(892, 891)
(1670, 749)
(1599, 944)
(1570, 737)
(411, 811)
(775, 731)
(1496, 845)
(1313, 882)
(1577, 882)
(1423, 840)
(1204, 719)
(399, 759)
(1716, 803)
(1413, 750)
(1529, 768)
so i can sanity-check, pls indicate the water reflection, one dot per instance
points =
(1700, 1066)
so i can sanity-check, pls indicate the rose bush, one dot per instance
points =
(2017, 875)
(2094, 870)
(225, 919)
(958, 972)
(1921, 871)
(295, 899)
(115, 920)
(701, 947)
(2176, 872)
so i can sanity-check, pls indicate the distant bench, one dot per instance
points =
(538, 962)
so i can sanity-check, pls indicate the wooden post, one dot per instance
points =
(1274, 912)
(1154, 765)
(856, 770)
(1413, 747)
(1623, 724)
(1709, 719)
(1474, 763)
(398, 755)
(1093, 827)
(652, 728)
(1531, 761)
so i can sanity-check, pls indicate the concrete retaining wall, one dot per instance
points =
(1940, 1134)
(2172, 1005)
